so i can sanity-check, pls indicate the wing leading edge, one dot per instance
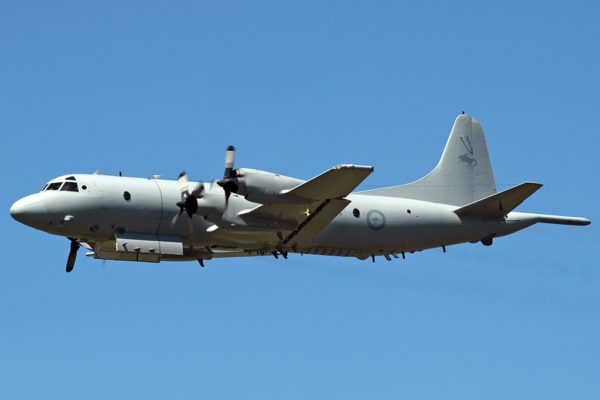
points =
(335, 183)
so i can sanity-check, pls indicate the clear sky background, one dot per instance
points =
(156, 87)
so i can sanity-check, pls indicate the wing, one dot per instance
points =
(338, 182)
(313, 204)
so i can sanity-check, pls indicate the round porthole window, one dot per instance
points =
(356, 212)
(84, 187)
(127, 195)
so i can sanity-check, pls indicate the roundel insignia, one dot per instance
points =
(375, 219)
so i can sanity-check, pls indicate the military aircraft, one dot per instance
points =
(253, 213)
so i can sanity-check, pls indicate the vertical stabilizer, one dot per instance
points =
(463, 174)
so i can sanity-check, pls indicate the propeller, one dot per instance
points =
(72, 255)
(189, 200)
(229, 183)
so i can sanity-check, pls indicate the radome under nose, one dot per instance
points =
(30, 210)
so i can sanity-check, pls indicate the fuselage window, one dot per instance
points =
(54, 186)
(69, 187)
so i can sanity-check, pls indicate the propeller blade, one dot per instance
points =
(191, 205)
(183, 183)
(189, 222)
(227, 194)
(199, 191)
(229, 183)
(229, 162)
(72, 255)
(174, 219)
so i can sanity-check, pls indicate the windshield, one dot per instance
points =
(53, 186)
(68, 185)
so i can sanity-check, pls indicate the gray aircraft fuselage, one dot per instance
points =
(105, 214)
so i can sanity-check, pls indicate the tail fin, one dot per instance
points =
(463, 174)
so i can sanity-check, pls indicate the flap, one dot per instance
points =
(302, 221)
(338, 182)
(501, 203)
(318, 219)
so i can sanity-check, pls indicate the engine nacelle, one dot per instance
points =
(262, 186)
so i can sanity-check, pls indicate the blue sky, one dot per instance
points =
(156, 87)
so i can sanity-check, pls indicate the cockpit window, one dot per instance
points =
(44, 188)
(69, 187)
(54, 186)
(70, 178)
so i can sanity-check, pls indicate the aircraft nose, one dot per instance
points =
(28, 210)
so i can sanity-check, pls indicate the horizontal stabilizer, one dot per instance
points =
(501, 203)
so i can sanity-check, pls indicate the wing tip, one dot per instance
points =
(355, 166)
